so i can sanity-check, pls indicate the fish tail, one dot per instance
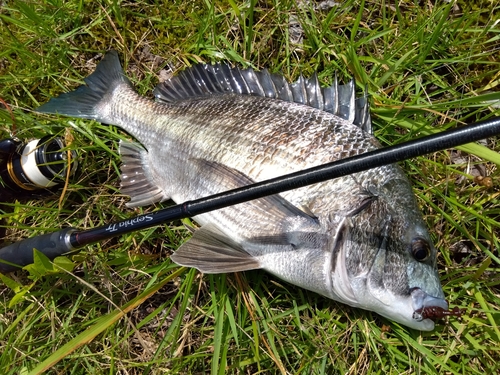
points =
(84, 101)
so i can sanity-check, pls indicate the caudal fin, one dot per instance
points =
(84, 101)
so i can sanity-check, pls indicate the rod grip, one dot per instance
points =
(19, 254)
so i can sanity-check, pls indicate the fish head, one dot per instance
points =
(384, 259)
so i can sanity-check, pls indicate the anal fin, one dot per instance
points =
(210, 251)
(135, 177)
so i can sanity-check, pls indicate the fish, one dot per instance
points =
(360, 239)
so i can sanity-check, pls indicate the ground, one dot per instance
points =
(122, 307)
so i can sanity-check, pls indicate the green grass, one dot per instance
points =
(125, 308)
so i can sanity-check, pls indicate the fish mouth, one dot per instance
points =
(427, 307)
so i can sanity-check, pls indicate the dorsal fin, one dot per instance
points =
(203, 80)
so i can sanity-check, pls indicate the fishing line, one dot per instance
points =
(19, 254)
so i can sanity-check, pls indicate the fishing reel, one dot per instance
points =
(35, 165)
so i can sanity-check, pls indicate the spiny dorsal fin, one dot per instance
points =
(204, 80)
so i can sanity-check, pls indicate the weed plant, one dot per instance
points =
(121, 306)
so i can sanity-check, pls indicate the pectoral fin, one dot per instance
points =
(270, 221)
(273, 207)
(210, 251)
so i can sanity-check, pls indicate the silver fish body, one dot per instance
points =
(360, 240)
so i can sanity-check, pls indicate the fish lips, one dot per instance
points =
(422, 302)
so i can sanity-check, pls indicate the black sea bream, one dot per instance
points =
(360, 239)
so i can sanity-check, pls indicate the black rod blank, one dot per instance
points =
(339, 168)
(53, 244)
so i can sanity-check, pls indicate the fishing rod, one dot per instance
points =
(19, 254)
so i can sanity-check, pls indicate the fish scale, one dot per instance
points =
(360, 239)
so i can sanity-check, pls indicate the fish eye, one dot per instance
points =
(420, 249)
